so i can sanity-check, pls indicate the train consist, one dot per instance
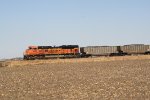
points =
(74, 51)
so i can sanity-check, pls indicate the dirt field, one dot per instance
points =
(88, 79)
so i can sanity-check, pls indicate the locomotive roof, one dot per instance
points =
(47, 47)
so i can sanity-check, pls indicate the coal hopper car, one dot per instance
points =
(100, 50)
(135, 49)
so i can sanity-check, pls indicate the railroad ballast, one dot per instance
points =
(74, 51)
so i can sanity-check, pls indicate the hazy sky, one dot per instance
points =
(82, 22)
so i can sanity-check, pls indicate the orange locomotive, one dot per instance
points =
(41, 52)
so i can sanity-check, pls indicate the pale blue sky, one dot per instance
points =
(82, 22)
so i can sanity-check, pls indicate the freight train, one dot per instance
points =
(74, 51)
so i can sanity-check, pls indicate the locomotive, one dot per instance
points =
(73, 51)
(42, 52)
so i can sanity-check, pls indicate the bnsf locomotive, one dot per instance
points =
(71, 51)
(41, 52)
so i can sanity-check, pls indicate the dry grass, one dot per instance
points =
(76, 60)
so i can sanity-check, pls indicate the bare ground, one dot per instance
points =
(89, 80)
